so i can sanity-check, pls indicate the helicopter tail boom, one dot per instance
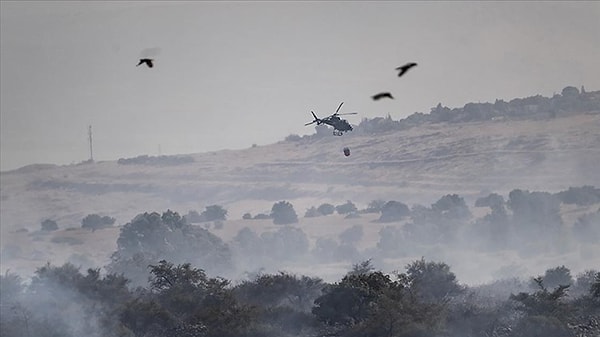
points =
(316, 120)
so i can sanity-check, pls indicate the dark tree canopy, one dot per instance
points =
(326, 209)
(558, 276)
(346, 208)
(283, 213)
(452, 206)
(375, 206)
(214, 212)
(432, 281)
(581, 196)
(95, 221)
(282, 289)
(154, 237)
(312, 212)
(393, 211)
(49, 225)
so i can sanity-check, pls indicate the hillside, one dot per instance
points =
(417, 165)
(414, 165)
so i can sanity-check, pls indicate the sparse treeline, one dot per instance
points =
(171, 277)
(180, 300)
(570, 101)
(527, 223)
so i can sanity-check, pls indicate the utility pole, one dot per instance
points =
(91, 149)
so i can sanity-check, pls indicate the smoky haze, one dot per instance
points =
(229, 75)
(467, 205)
(285, 229)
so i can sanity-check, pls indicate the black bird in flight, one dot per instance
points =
(405, 68)
(382, 95)
(147, 61)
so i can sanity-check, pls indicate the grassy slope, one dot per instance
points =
(417, 165)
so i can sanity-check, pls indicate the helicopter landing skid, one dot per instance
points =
(338, 133)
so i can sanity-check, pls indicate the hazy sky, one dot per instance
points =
(231, 74)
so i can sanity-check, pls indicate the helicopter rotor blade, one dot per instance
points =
(316, 120)
(348, 113)
(338, 109)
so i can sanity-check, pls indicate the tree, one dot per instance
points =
(581, 196)
(570, 91)
(375, 206)
(169, 236)
(558, 276)
(49, 225)
(583, 283)
(393, 211)
(312, 212)
(11, 287)
(262, 216)
(187, 295)
(540, 210)
(214, 212)
(283, 213)
(282, 289)
(193, 217)
(348, 302)
(493, 201)
(595, 288)
(368, 303)
(95, 221)
(326, 209)
(433, 282)
(165, 277)
(453, 207)
(346, 208)
(545, 311)
(362, 267)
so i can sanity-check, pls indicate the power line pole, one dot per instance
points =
(91, 149)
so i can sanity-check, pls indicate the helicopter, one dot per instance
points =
(339, 125)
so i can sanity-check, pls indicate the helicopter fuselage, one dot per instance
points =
(339, 125)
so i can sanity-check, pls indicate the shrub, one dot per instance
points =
(68, 240)
(95, 221)
(49, 225)
(262, 216)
